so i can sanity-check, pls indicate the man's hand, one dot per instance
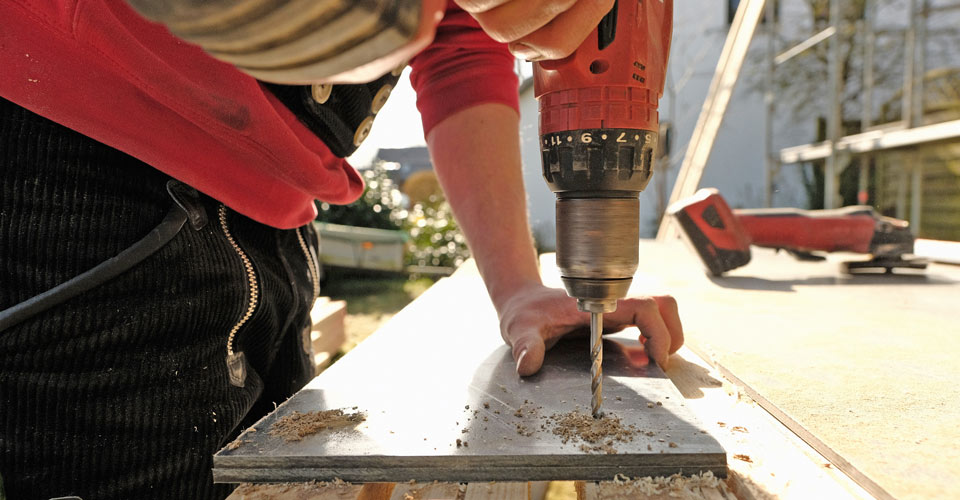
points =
(538, 29)
(536, 317)
(476, 153)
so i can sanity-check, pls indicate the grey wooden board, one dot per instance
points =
(416, 377)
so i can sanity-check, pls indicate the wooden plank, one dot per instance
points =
(430, 491)
(781, 465)
(376, 491)
(873, 140)
(438, 373)
(498, 491)
(327, 333)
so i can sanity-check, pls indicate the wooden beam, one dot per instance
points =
(874, 140)
(714, 106)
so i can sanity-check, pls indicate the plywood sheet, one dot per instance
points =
(439, 373)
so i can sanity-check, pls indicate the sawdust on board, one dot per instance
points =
(596, 434)
(236, 443)
(295, 426)
(575, 427)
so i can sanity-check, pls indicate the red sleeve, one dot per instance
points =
(463, 67)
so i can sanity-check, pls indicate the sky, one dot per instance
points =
(397, 125)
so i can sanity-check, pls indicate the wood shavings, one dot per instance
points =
(296, 426)
(426, 491)
(745, 458)
(597, 434)
(675, 486)
(236, 443)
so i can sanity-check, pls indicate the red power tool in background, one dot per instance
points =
(722, 237)
(598, 134)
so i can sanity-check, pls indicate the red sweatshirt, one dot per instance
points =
(99, 68)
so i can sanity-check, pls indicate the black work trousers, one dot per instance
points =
(124, 391)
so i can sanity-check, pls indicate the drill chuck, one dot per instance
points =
(597, 248)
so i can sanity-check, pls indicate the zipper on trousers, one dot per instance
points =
(236, 364)
(313, 264)
(314, 268)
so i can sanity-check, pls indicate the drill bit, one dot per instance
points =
(596, 356)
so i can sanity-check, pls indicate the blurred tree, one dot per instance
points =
(420, 186)
(435, 237)
(379, 207)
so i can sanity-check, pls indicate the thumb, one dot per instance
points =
(528, 349)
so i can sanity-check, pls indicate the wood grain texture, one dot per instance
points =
(496, 491)
(438, 491)
(439, 372)
(376, 491)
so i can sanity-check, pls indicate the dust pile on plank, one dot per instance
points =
(577, 427)
(297, 425)
(596, 434)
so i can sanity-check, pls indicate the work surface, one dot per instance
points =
(869, 365)
(443, 402)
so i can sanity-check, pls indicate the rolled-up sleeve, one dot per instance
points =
(463, 67)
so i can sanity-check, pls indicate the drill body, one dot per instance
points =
(598, 135)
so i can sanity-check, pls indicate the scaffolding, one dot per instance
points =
(838, 149)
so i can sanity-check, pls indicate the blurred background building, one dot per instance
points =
(891, 110)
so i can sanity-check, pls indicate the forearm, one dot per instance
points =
(476, 154)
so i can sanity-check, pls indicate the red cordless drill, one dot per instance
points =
(598, 133)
